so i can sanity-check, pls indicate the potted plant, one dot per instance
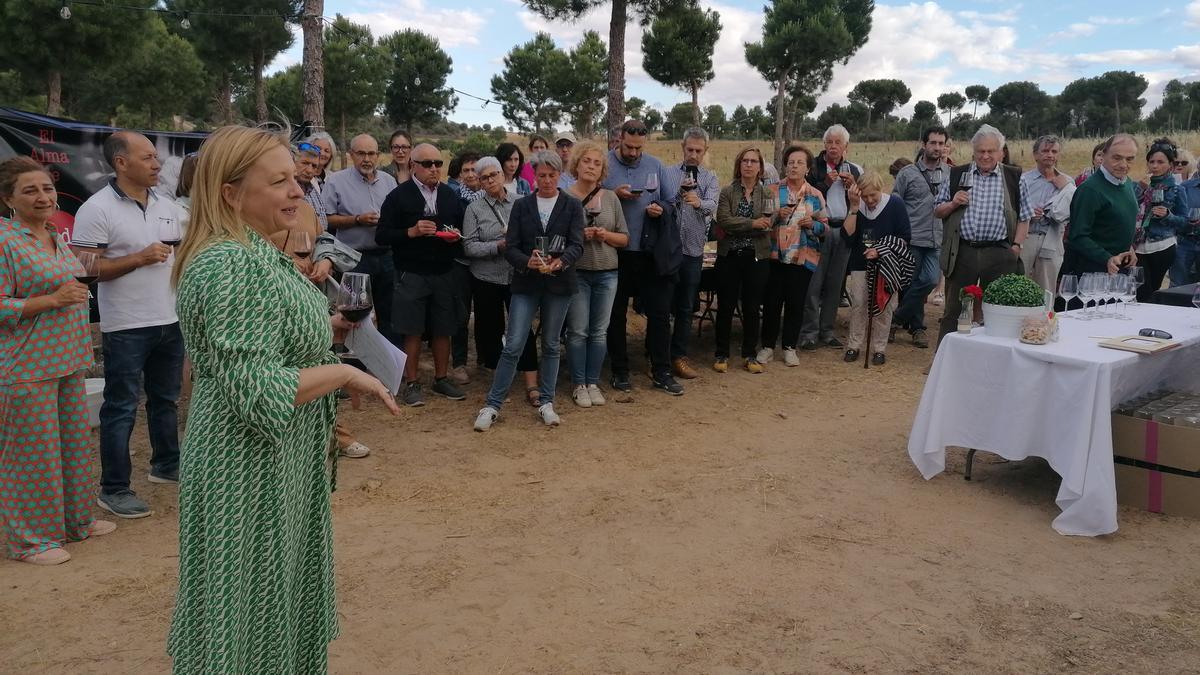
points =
(1006, 303)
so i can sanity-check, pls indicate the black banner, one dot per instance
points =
(73, 153)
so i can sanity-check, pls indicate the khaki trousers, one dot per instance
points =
(858, 317)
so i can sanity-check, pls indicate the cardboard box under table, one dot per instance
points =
(1157, 465)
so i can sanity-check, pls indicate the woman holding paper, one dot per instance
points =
(255, 564)
(795, 252)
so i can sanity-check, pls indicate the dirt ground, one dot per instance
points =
(760, 523)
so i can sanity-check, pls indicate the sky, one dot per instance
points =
(934, 47)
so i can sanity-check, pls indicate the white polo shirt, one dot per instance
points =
(118, 225)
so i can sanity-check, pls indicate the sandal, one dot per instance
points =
(534, 396)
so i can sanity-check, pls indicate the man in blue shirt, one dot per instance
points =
(635, 178)
(693, 190)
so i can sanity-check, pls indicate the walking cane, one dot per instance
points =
(870, 319)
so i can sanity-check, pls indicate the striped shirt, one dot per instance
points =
(312, 195)
(693, 222)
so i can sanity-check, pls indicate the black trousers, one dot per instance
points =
(1155, 267)
(491, 304)
(740, 278)
(637, 278)
(787, 286)
(458, 342)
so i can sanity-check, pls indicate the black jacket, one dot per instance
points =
(525, 224)
(661, 239)
(402, 208)
(816, 173)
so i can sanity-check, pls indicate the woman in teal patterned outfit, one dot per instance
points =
(256, 563)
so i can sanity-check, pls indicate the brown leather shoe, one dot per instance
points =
(683, 368)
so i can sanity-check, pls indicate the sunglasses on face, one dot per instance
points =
(636, 131)
(429, 163)
(401, 148)
(1181, 163)
(563, 144)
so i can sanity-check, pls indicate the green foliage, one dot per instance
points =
(356, 71)
(678, 120)
(483, 143)
(1019, 101)
(1013, 290)
(283, 97)
(715, 122)
(1180, 108)
(678, 47)
(924, 111)
(417, 91)
(17, 91)
(635, 108)
(526, 89)
(583, 86)
(951, 102)
(653, 119)
(880, 97)
(977, 93)
(1092, 104)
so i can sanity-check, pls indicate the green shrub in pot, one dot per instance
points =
(1013, 290)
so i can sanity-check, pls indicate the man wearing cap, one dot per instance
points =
(629, 174)
(563, 143)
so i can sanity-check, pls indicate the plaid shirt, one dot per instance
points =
(984, 217)
(312, 195)
(693, 222)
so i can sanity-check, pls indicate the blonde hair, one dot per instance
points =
(870, 179)
(581, 149)
(225, 157)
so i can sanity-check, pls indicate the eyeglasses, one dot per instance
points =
(489, 176)
(429, 163)
(563, 144)
(636, 131)
(364, 153)
(308, 147)
(1182, 162)
(399, 148)
(749, 160)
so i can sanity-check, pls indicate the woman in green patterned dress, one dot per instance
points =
(256, 563)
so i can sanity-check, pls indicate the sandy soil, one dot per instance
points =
(768, 523)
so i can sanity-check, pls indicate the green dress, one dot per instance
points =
(255, 543)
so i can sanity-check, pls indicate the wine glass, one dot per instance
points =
(1138, 275)
(1111, 288)
(85, 269)
(652, 182)
(541, 246)
(868, 237)
(1068, 289)
(1087, 285)
(1196, 301)
(298, 243)
(770, 205)
(1126, 291)
(1194, 215)
(967, 180)
(558, 244)
(170, 232)
(354, 296)
(1157, 197)
(935, 180)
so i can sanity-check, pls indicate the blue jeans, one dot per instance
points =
(587, 324)
(684, 304)
(151, 356)
(1186, 268)
(520, 320)
(910, 313)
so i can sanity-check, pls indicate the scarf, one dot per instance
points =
(888, 273)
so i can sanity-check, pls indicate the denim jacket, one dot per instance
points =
(1191, 196)
(1175, 222)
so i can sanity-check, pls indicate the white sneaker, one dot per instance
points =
(595, 394)
(765, 355)
(546, 412)
(486, 418)
(355, 450)
(790, 358)
(581, 397)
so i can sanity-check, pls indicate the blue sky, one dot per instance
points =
(933, 46)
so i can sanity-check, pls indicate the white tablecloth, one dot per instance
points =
(1052, 401)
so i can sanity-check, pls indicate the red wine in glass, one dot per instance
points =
(355, 313)
(303, 255)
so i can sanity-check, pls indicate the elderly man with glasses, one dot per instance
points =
(353, 197)
(421, 221)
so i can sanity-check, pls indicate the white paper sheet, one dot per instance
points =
(381, 358)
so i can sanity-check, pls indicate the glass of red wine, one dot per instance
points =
(652, 181)
(967, 180)
(299, 244)
(170, 232)
(354, 297)
(86, 268)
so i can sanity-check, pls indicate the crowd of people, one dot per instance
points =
(237, 266)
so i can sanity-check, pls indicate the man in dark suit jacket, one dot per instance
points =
(421, 220)
(543, 283)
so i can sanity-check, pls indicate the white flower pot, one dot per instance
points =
(1005, 321)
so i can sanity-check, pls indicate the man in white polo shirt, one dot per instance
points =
(129, 222)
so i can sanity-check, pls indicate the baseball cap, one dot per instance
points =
(565, 136)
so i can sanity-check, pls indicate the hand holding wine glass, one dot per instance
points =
(354, 297)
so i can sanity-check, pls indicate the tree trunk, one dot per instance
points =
(225, 100)
(695, 104)
(616, 67)
(260, 87)
(313, 67)
(54, 93)
(780, 113)
(342, 130)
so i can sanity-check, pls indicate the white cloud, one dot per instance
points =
(1075, 30)
(1187, 56)
(1193, 12)
(452, 27)
(1114, 20)
(1007, 16)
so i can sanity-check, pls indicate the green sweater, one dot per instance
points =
(1103, 216)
